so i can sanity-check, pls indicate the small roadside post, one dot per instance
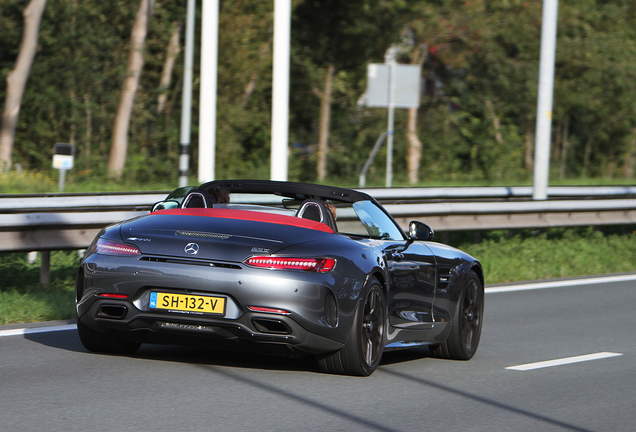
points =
(63, 154)
(63, 160)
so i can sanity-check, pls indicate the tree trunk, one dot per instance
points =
(17, 78)
(325, 115)
(496, 123)
(166, 74)
(249, 89)
(124, 111)
(630, 159)
(414, 151)
(586, 157)
(73, 127)
(528, 147)
(89, 126)
(564, 147)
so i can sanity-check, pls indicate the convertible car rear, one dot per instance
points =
(281, 267)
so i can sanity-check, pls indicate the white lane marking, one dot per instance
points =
(25, 331)
(560, 284)
(564, 361)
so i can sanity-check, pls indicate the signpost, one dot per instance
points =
(63, 160)
(393, 86)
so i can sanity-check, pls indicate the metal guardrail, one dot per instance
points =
(12, 204)
(65, 221)
(55, 222)
(494, 192)
(466, 216)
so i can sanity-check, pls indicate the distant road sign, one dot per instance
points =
(406, 81)
(63, 156)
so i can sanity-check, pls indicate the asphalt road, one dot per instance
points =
(49, 382)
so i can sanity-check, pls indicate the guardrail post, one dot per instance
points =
(45, 269)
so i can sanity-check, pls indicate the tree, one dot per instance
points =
(414, 153)
(17, 78)
(333, 36)
(135, 64)
(166, 75)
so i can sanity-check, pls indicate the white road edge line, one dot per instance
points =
(26, 331)
(564, 361)
(560, 284)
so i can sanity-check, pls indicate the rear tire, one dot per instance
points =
(104, 343)
(363, 350)
(463, 340)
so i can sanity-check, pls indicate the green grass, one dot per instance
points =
(87, 181)
(34, 182)
(555, 253)
(23, 299)
(528, 255)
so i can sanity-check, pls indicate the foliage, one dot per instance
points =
(478, 106)
(26, 182)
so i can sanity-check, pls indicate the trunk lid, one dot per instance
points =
(211, 234)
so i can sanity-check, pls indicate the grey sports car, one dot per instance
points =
(281, 267)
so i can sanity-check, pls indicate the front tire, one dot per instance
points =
(465, 332)
(363, 350)
(104, 343)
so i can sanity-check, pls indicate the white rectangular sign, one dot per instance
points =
(406, 82)
(62, 162)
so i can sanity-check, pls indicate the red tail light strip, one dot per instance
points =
(319, 265)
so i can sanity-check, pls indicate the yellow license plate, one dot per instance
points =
(187, 303)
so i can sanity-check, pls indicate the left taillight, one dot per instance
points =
(319, 265)
(109, 247)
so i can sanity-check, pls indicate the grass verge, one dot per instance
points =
(555, 253)
(528, 255)
(23, 299)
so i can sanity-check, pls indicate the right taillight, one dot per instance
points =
(319, 265)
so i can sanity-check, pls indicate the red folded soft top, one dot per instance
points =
(248, 215)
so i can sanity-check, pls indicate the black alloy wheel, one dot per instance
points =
(363, 350)
(373, 326)
(463, 340)
(471, 315)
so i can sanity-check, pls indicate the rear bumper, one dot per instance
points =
(304, 295)
(251, 331)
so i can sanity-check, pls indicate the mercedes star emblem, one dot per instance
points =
(191, 248)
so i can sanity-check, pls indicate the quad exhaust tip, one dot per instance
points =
(116, 312)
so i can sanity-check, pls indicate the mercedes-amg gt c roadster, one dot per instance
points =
(281, 267)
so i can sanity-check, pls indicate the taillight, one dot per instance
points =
(108, 247)
(319, 265)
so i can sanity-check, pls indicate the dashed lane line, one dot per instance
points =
(564, 361)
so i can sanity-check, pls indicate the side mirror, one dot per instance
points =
(164, 205)
(420, 231)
